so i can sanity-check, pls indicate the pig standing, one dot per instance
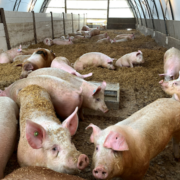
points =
(93, 59)
(37, 173)
(60, 63)
(129, 59)
(172, 87)
(171, 64)
(104, 40)
(44, 141)
(39, 59)
(8, 130)
(65, 97)
(93, 95)
(126, 148)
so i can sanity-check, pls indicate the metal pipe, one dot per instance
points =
(138, 12)
(147, 4)
(156, 8)
(143, 12)
(164, 17)
(107, 12)
(65, 4)
(52, 26)
(34, 27)
(172, 14)
(134, 12)
(64, 24)
(72, 23)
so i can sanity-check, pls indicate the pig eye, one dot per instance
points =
(55, 150)
(97, 148)
(175, 84)
(97, 99)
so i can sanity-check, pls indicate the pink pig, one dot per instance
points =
(93, 59)
(125, 36)
(60, 62)
(44, 141)
(171, 64)
(126, 148)
(119, 40)
(85, 28)
(104, 40)
(8, 130)
(48, 41)
(62, 42)
(94, 32)
(36, 173)
(129, 59)
(93, 95)
(65, 97)
(100, 36)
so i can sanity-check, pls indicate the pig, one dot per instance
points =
(37, 173)
(116, 41)
(8, 130)
(60, 62)
(62, 42)
(125, 149)
(65, 97)
(171, 64)
(44, 141)
(93, 59)
(100, 36)
(21, 58)
(129, 59)
(104, 40)
(93, 95)
(39, 59)
(125, 36)
(85, 28)
(94, 32)
(48, 41)
(171, 87)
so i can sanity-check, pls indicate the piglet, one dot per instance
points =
(125, 36)
(171, 64)
(62, 42)
(48, 41)
(129, 59)
(93, 59)
(8, 130)
(61, 63)
(117, 41)
(44, 141)
(104, 40)
(100, 36)
(85, 28)
(126, 148)
(39, 59)
(94, 32)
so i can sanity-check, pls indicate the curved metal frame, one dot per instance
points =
(156, 8)
(143, 13)
(45, 2)
(138, 12)
(172, 14)
(134, 12)
(163, 17)
(16, 6)
(32, 4)
(147, 4)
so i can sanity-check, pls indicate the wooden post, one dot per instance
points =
(3, 20)
(64, 24)
(52, 25)
(34, 26)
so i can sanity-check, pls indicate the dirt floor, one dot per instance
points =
(138, 87)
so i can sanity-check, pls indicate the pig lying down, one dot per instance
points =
(129, 59)
(62, 63)
(38, 173)
(64, 104)
(171, 64)
(44, 141)
(126, 148)
(39, 59)
(93, 59)
(50, 42)
(8, 130)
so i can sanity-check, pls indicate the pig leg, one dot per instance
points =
(176, 140)
(2, 93)
(130, 63)
(83, 76)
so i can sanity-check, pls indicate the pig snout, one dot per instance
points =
(100, 172)
(83, 162)
(163, 84)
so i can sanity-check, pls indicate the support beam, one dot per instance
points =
(34, 27)
(172, 14)
(143, 12)
(138, 12)
(44, 4)
(156, 8)
(52, 25)
(164, 17)
(64, 24)
(32, 4)
(107, 10)
(16, 5)
(134, 11)
(65, 6)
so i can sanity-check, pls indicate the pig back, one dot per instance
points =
(39, 173)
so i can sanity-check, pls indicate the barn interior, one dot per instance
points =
(155, 25)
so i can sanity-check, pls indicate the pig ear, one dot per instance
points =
(96, 131)
(103, 85)
(116, 141)
(96, 90)
(71, 123)
(28, 67)
(162, 74)
(35, 134)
